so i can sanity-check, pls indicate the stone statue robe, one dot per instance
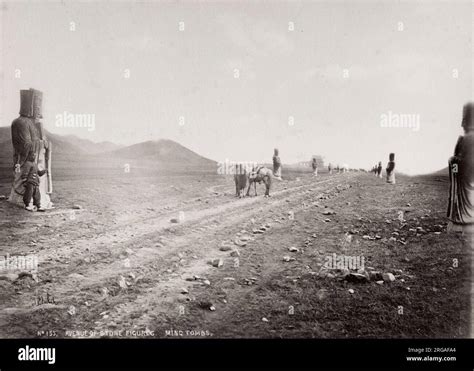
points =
(390, 172)
(27, 135)
(461, 176)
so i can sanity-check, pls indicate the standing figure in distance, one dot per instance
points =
(391, 169)
(276, 165)
(379, 169)
(314, 165)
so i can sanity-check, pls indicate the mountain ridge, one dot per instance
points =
(163, 151)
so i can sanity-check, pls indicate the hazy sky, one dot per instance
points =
(306, 77)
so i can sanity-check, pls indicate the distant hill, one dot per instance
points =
(90, 147)
(163, 151)
(63, 145)
(444, 171)
(5, 134)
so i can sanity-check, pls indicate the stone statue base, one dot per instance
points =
(391, 178)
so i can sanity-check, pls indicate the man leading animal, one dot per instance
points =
(240, 179)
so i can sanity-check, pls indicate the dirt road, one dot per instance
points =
(180, 256)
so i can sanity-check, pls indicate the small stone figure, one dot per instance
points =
(379, 169)
(391, 169)
(314, 165)
(276, 165)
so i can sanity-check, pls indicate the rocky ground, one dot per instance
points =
(181, 256)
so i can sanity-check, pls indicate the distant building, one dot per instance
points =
(319, 161)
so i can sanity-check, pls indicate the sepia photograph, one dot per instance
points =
(201, 170)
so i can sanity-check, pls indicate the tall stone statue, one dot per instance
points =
(391, 169)
(461, 173)
(461, 192)
(28, 137)
(276, 165)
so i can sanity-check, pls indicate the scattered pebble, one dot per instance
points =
(225, 246)
(72, 310)
(375, 276)
(76, 276)
(356, 277)
(217, 263)
(9, 277)
(122, 282)
(388, 277)
(240, 243)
